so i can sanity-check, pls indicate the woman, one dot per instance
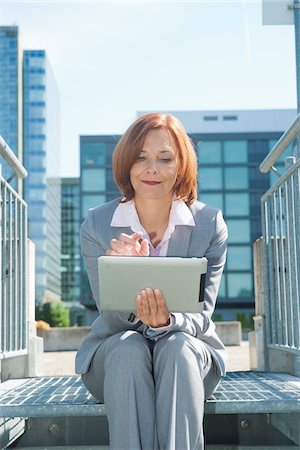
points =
(154, 368)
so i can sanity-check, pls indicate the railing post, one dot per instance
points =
(1, 240)
(35, 343)
(257, 337)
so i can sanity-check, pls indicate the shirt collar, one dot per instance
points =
(125, 215)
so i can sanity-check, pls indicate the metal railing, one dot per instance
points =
(13, 263)
(11, 159)
(281, 236)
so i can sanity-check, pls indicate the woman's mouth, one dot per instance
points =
(150, 182)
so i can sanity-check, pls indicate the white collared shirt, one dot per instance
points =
(126, 215)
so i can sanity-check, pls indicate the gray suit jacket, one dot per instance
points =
(208, 238)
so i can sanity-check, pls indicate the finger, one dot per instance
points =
(144, 302)
(152, 304)
(139, 310)
(144, 249)
(161, 303)
(120, 247)
(130, 239)
(116, 244)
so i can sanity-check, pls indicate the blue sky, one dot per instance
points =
(113, 58)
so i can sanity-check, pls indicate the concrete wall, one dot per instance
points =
(69, 338)
(63, 339)
(230, 332)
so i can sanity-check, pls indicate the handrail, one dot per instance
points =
(286, 139)
(9, 156)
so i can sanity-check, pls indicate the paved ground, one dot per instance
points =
(62, 363)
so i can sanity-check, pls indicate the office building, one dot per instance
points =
(230, 145)
(10, 94)
(70, 251)
(29, 123)
(41, 159)
(97, 186)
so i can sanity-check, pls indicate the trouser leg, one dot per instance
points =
(121, 376)
(184, 376)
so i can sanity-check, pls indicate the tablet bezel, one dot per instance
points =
(186, 272)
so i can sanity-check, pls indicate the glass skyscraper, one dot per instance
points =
(70, 251)
(230, 145)
(10, 94)
(41, 159)
(97, 186)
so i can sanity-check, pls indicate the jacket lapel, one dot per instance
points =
(180, 241)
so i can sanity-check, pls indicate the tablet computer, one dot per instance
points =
(181, 281)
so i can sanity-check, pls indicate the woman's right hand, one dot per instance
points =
(129, 245)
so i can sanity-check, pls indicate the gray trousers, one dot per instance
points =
(154, 391)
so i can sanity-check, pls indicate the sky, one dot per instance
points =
(114, 58)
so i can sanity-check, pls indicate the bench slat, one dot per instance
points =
(62, 396)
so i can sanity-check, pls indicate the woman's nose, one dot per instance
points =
(152, 168)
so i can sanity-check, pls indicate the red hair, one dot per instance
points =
(131, 143)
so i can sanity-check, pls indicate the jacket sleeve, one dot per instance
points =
(91, 249)
(200, 325)
(92, 246)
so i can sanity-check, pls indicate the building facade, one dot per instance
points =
(70, 249)
(230, 146)
(10, 94)
(41, 159)
(97, 186)
(29, 123)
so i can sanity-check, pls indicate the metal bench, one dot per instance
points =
(247, 409)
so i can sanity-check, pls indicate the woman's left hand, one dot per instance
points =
(151, 308)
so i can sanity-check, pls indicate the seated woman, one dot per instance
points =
(154, 368)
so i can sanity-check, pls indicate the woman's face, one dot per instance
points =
(154, 173)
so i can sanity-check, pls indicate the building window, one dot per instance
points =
(93, 180)
(91, 201)
(239, 285)
(212, 199)
(209, 152)
(235, 152)
(93, 153)
(239, 258)
(236, 178)
(230, 118)
(238, 230)
(210, 118)
(237, 204)
(210, 178)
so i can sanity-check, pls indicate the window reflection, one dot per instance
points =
(209, 151)
(94, 153)
(238, 230)
(235, 152)
(239, 285)
(237, 204)
(239, 258)
(93, 180)
(91, 201)
(212, 199)
(210, 178)
(236, 178)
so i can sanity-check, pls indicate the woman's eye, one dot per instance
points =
(141, 158)
(165, 160)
